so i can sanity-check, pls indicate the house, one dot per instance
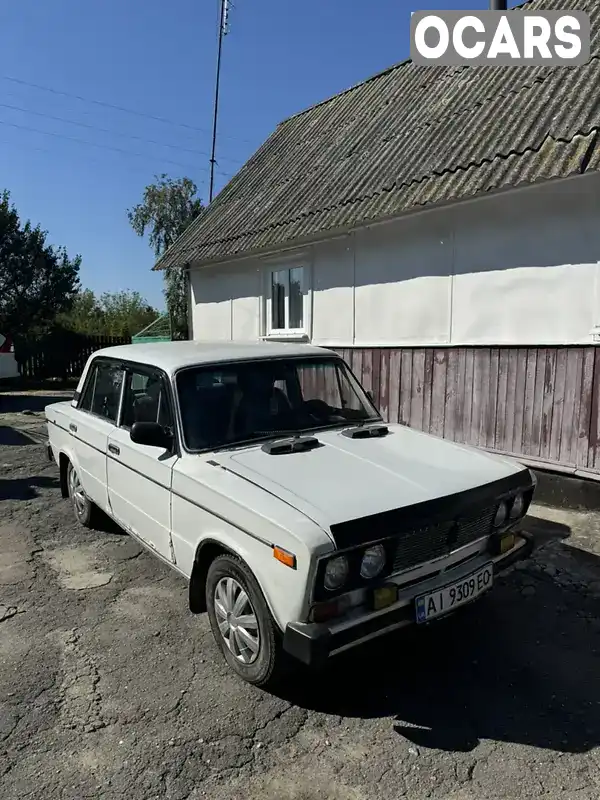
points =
(439, 227)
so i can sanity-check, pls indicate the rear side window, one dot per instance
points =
(103, 391)
(85, 401)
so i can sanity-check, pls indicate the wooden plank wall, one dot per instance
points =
(536, 402)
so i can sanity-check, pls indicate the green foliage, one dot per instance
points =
(112, 314)
(168, 207)
(37, 281)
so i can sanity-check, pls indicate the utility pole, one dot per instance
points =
(223, 31)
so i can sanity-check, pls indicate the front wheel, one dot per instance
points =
(241, 622)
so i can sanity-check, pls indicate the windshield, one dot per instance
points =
(226, 404)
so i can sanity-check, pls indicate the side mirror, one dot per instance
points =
(151, 434)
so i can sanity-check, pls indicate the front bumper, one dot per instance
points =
(314, 643)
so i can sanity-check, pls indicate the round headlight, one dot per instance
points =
(518, 507)
(501, 515)
(373, 562)
(336, 573)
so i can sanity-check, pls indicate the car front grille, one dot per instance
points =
(420, 545)
(474, 526)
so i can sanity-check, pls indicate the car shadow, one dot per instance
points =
(11, 437)
(545, 531)
(26, 488)
(521, 665)
(104, 524)
(17, 403)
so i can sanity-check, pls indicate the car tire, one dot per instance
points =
(265, 665)
(83, 508)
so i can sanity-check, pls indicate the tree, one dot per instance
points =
(126, 313)
(84, 316)
(168, 207)
(37, 280)
(113, 314)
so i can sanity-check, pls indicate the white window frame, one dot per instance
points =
(281, 265)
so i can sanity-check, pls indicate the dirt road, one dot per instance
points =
(110, 689)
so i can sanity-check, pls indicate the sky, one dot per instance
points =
(99, 96)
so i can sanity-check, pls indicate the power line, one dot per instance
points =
(115, 107)
(104, 146)
(91, 144)
(28, 148)
(112, 132)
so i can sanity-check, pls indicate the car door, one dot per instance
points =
(140, 476)
(93, 420)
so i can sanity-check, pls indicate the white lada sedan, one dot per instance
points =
(266, 476)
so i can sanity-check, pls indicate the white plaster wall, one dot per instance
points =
(402, 291)
(226, 303)
(518, 268)
(333, 292)
(526, 267)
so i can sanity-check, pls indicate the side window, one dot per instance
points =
(138, 381)
(207, 402)
(85, 401)
(107, 391)
(145, 400)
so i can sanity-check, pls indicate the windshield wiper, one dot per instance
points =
(296, 433)
(259, 436)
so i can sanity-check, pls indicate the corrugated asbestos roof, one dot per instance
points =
(411, 136)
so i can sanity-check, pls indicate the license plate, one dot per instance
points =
(442, 601)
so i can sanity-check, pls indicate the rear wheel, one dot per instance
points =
(85, 510)
(241, 622)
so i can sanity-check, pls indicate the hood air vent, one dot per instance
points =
(299, 444)
(366, 431)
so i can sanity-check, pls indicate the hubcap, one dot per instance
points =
(237, 620)
(77, 493)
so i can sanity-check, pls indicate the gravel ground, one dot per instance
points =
(109, 688)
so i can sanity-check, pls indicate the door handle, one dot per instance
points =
(114, 449)
(73, 427)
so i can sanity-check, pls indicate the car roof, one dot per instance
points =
(171, 356)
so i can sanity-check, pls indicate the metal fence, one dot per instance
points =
(59, 354)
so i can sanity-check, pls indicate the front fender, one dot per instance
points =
(283, 588)
(206, 551)
(210, 548)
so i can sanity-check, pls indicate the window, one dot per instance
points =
(233, 403)
(286, 301)
(85, 402)
(145, 400)
(102, 392)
